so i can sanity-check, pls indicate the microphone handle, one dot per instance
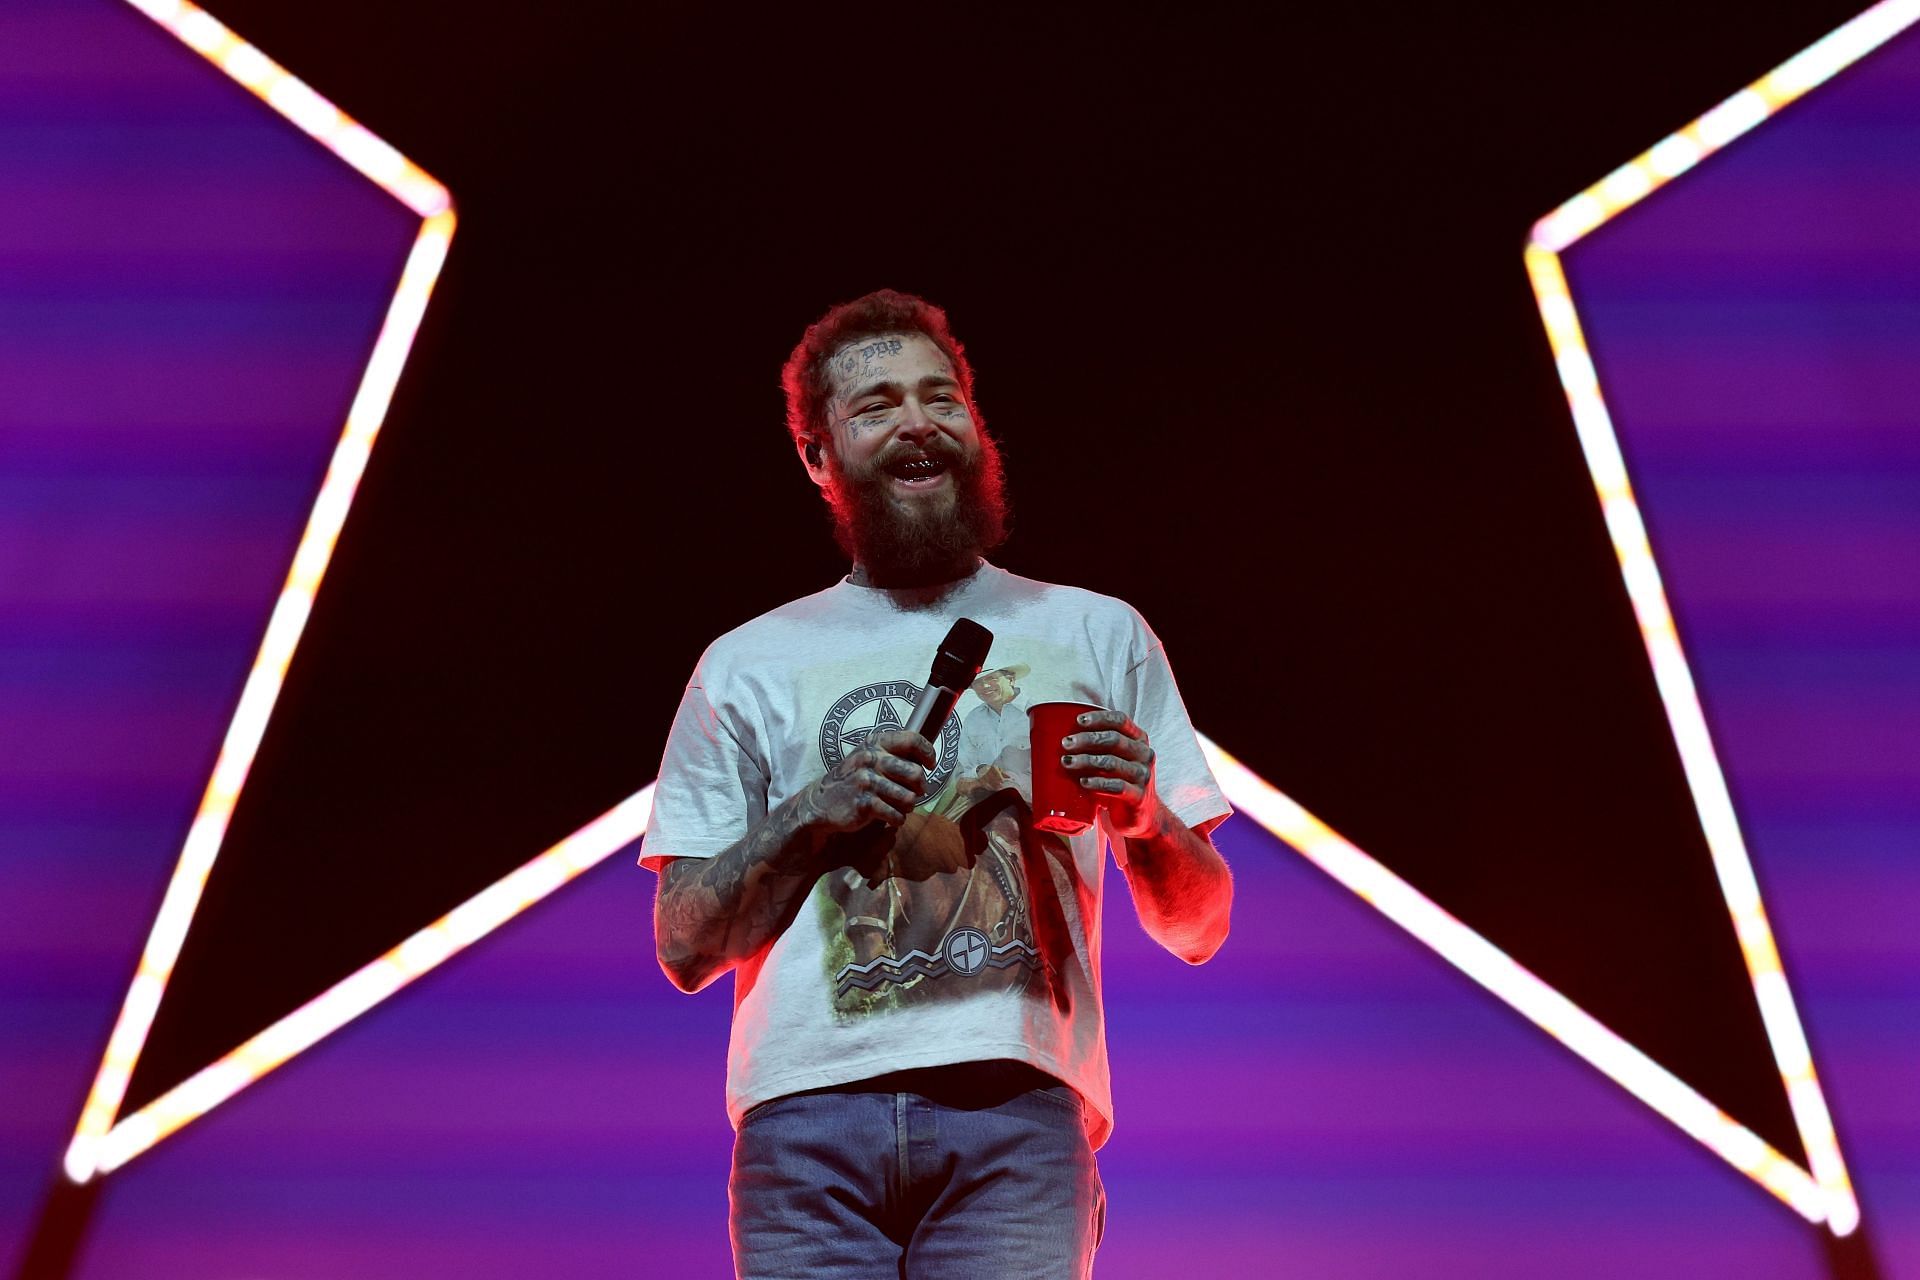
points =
(931, 709)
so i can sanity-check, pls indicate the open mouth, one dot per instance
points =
(917, 472)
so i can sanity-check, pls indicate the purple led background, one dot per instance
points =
(188, 292)
(1325, 1099)
(1757, 331)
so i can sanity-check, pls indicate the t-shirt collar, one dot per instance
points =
(909, 598)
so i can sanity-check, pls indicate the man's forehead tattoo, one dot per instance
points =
(852, 360)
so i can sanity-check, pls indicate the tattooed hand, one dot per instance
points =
(1112, 758)
(713, 913)
(882, 782)
(1180, 884)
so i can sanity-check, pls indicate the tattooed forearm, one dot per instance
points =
(1181, 888)
(712, 913)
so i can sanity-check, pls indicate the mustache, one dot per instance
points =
(938, 449)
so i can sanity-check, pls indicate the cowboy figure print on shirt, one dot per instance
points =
(939, 908)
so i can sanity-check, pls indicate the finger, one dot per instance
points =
(1118, 788)
(1132, 771)
(879, 806)
(876, 759)
(1105, 719)
(910, 745)
(900, 770)
(1109, 740)
(901, 797)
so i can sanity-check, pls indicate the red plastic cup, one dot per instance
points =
(1060, 803)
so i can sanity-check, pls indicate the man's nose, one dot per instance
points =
(914, 420)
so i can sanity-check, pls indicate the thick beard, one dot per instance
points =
(920, 544)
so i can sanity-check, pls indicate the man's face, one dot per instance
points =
(914, 482)
(995, 689)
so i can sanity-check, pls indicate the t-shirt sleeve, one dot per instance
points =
(1180, 773)
(712, 787)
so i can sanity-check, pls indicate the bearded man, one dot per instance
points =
(917, 1074)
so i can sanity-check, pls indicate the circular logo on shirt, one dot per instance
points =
(966, 951)
(857, 716)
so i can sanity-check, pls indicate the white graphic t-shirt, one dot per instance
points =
(965, 935)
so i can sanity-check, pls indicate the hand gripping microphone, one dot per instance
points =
(960, 657)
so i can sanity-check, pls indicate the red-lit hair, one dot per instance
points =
(808, 381)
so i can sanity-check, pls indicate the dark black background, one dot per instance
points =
(1246, 299)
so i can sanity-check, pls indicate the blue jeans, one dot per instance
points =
(977, 1172)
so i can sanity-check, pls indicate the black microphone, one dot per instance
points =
(958, 661)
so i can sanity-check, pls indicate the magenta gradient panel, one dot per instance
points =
(1325, 1099)
(189, 290)
(1757, 330)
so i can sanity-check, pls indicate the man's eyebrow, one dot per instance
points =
(871, 388)
(889, 384)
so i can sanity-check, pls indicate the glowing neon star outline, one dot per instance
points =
(102, 1138)
(105, 1141)
(1552, 236)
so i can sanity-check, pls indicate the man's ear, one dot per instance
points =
(814, 460)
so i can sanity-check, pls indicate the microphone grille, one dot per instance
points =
(961, 654)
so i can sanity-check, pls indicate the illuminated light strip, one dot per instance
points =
(354, 995)
(1639, 177)
(1551, 237)
(312, 114)
(409, 184)
(1500, 974)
